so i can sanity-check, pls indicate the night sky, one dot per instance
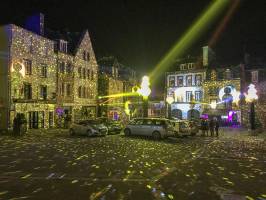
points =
(139, 33)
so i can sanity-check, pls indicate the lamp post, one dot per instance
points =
(145, 91)
(251, 97)
(169, 101)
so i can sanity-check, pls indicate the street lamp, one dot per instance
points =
(251, 97)
(169, 100)
(145, 91)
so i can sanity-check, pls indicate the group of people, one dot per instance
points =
(211, 125)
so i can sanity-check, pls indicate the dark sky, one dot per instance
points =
(139, 32)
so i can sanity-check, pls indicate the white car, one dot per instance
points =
(181, 127)
(88, 128)
(156, 127)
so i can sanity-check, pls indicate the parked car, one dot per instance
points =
(181, 127)
(194, 127)
(88, 128)
(156, 127)
(113, 126)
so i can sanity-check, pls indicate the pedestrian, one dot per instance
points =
(216, 124)
(211, 127)
(202, 127)
(206, 125)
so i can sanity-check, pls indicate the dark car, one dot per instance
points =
(114, 127)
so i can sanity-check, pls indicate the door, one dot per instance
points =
(33, 119)
(137, 127)
(147, 127)
(51, 119)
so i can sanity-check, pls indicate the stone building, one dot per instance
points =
(46, 77)
(114, 78)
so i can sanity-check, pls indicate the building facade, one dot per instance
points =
(114, 80)
(46, 78)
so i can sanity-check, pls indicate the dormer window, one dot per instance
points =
(182, 66)
(63, 46)
(190, 65)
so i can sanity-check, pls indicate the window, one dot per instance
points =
(79, 72)
(79, 92)
(171, 81)
(198, 95)
(31, 45)
(189, 80)
(198, 79)
(88, 74)
(188, 96)
(190, 65)
(44, 71)
(68, 68)
(92, 75)
(83, 92)
(254, 76)
(27, 91)
(84, 73)
(68, 89)
(182, 66)
(28, 67)
(62, 67)
(180, 81)
(62, 89)
(63, 46)
(84, 55)
(43, 92)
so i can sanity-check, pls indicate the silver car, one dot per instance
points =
(88, 128)
(156, 127)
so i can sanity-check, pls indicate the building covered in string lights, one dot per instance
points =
(45, 77)
(199, 89)
(114, 78)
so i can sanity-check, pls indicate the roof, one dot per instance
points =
(73, 38)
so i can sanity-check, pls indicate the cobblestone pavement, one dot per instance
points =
(53, 165)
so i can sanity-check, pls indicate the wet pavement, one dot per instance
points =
(57, 166)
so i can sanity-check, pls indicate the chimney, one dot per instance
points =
(35, 23)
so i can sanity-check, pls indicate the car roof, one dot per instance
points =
(151, 118)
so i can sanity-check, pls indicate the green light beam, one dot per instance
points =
(197, 29)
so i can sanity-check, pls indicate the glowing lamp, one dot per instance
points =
(213, 105)
(144, 89)
(170, 100)
(252, 93)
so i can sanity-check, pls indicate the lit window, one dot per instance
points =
(27, 91)
(254, 76)
(198, 95)
(28, 67)
(198, 79)
(188, 96)
(43, 92)
(189, 80)
(44, 71)
(180, 81)
(171, 81)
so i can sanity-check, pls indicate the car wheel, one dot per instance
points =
(127, 132)
(89, 132)
(156, 135)
(71, 132)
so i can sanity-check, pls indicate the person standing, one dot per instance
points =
(202, 127)
(216, 124)
(206, 127)
(211, 127)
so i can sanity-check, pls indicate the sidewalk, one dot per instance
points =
(48, 132)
